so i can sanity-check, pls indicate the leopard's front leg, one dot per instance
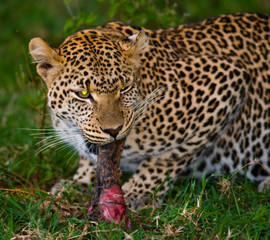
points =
(154, 176)
(84, 175)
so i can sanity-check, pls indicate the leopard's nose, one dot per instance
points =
(113, 131)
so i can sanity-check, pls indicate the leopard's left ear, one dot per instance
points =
(134, 45)
(47, 59)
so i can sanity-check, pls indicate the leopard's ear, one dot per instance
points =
(134, 45)
(47, 59)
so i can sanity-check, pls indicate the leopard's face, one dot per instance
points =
(92, 82)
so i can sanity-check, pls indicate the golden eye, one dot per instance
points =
(125, 89)
(83, 94)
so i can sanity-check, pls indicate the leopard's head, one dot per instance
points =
(92, 81)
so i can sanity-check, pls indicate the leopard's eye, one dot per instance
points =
(83, 94)
(125, 89)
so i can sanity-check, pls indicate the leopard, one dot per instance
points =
(189, 100)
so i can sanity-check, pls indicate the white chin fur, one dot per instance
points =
(71, 135)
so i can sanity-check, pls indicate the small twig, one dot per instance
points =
(70, 12)
(96, 231)
(7, 173)
(24, 192)
(84, 232)
(38, 190)
(254, 161)
(153, 210)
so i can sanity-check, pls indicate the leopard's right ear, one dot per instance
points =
(48, 60)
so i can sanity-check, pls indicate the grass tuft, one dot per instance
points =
(206, 209)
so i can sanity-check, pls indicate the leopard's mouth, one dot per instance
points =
(93, 147)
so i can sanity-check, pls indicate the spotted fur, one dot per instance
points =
(195, 96)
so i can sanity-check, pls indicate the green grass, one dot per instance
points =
(192, 210)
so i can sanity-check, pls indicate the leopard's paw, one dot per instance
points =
(137, 197)
(265, 184)
(58, 188)
(69, 187)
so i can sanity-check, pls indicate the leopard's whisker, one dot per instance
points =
(139, 119)
(66, 145)
(146, 106)
(56, 143)
(48, 138)
(50, 146)
(157, 92)
(71, 155)
(47, 129)
(151, 96)
(50, 141)
(51, 138)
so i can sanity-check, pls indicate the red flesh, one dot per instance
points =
(112, 206)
